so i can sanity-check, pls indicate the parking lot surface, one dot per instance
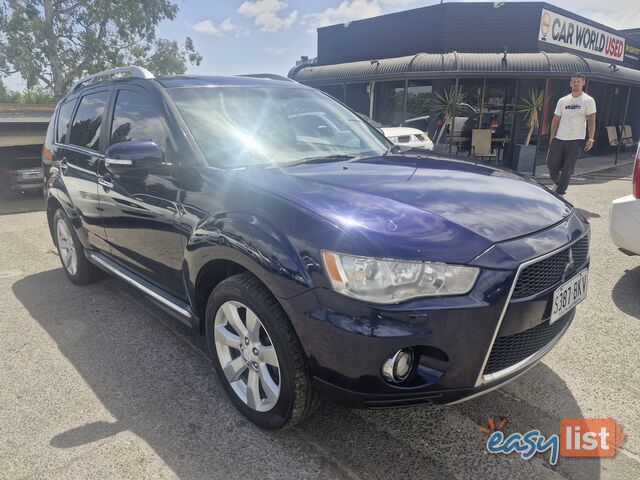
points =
(96, 382)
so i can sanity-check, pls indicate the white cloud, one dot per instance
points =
(227, 26)
(346, 11)
(265, 13)
(275, 50)
(629, 19)
(207, 27)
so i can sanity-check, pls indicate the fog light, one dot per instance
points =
(398, 367)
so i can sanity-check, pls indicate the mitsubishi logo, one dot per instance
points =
(570, 262)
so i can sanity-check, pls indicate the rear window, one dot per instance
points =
(85, 130)
(66, 110)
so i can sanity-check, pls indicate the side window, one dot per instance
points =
(66, 110)
(85, 130)
(136, 118)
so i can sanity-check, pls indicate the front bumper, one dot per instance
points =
(448, 396)
(346, 341)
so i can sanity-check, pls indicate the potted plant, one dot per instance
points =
(444, 105)
(531, 106)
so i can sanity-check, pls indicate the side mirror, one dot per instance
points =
(135, 155)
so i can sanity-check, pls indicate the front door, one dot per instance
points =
(140, 209)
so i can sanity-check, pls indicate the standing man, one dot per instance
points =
(573, 113)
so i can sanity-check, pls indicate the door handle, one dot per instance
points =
(63, 165)
(105, 181)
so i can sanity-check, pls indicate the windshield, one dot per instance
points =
(242, 126)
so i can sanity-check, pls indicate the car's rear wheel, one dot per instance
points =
(71, 252)
(257, 355)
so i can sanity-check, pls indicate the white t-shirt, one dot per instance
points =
(573, 113)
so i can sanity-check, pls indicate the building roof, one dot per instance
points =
(25, 113)
(434, 65)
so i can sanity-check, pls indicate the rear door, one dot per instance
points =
(78, 153)
(140, 210)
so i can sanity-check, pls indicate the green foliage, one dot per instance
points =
(445, 104)
(36, 94)
(168, 57)
(54, 42)
(531, 105)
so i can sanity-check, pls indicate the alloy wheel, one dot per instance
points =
(67, 248)
(247, 356)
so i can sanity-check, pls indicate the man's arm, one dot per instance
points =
(555, 122)
(591, 128)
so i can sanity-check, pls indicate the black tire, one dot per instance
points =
(298, 398)
(85, 271)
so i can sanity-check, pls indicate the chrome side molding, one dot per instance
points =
(105, 264)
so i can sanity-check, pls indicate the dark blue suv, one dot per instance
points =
(318, 259)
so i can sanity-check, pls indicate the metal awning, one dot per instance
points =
(18, 139)
(437, 65)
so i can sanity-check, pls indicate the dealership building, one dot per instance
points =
(398, 69)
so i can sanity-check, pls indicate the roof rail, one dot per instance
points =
(134, 71)
(271, 76)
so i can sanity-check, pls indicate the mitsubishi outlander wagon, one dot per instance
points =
(319, 263)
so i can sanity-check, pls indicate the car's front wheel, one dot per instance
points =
(257, 354)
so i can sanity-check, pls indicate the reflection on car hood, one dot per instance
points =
(424, 207)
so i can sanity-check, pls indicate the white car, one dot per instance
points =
(624, 218)
(410, 137)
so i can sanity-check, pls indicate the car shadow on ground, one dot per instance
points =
(150, 372)
(626, 292)
(22, 203)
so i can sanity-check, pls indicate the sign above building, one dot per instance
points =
(569, 33)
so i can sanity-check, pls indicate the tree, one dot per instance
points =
(446, 104)
(4, 94)
(35, 94)
(531, 106)
(54, 42)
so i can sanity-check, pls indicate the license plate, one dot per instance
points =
(569, 295)
(31, 175)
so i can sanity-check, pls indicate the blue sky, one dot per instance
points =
(248, 36)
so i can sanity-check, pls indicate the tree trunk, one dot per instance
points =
(529, 136)
(442, 129)
(57, 82)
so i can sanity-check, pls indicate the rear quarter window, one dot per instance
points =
(66, 110)
(85, 129)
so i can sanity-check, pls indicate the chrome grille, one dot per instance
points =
(546, 273)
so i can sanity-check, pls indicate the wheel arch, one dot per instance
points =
(53, 204)
(208, 278)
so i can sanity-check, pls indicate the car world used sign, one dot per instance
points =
(569, 33)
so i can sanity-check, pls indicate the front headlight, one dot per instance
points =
(392, 281)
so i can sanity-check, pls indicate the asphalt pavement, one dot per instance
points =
(96, 382)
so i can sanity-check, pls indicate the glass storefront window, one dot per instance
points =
(357, 97)
(422, 104)
(528, 87)
(389, 103)
(469, 108)
(336, 91)
(499, 104)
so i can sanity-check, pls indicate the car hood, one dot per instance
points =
(417, 207)
(398, 131)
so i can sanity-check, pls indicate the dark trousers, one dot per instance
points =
(561, 160)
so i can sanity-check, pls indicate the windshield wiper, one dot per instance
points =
(321, 159)
(397, 149)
